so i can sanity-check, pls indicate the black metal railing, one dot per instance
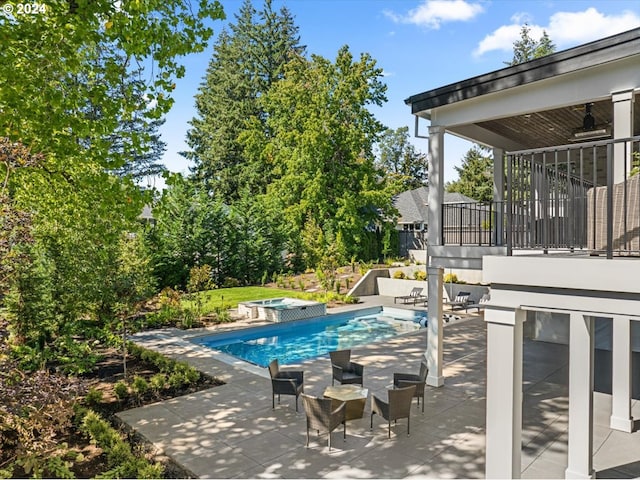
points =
(477, 223)
(582, 197)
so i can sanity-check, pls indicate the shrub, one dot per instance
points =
(420, 275)
(200, 279)
(121, 390)
(399, 274)
(231, 282)
(140, 386)
(93, 396)
(158, 381)
(99, 431)
(265, 278)
(451, 278)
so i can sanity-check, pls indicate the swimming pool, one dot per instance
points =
(295, 341)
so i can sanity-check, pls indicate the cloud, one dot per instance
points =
(565, 29)
(432, 13)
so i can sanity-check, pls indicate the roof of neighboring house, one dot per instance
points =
(412, 204)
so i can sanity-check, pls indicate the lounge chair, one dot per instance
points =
(285, 382)
(481, 303)
(398, 406)
(321, 416)
(401, 380)
(415, 296)
(344, 370)
(461, 301)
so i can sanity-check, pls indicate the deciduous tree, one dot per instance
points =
(321, 151)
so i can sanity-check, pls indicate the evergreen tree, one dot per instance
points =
(475, 176)
(246, 62)
(527, 48)
(403, 167)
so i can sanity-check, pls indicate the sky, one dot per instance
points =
(419, 44)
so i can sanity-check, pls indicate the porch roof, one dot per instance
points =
(537, 103)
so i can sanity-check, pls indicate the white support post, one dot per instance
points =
(621, 418)
(581, 347)
(622, 128)
(498, 195)
(436, 185)
(504, 393)
(434, 352)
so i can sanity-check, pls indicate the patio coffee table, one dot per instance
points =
(354, 396)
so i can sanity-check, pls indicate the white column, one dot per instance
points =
(621, 385)
(434, 327)
(498, 193)
(622, 128)
(436, 185)
(504, 393)
(580, 455)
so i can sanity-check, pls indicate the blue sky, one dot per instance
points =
(420, 45)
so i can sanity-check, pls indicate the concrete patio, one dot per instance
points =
(231, 431)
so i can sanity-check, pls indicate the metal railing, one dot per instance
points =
(579, 196)
(473, 223)
(582, 197)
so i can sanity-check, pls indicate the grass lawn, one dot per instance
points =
(229, 297)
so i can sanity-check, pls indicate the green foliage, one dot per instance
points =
(122, 461)
(420, 275)
(527, 48)
(121, 390)
(635, 164)
(452, 278)
(403, 167)
(194, 229)
(140, 386)
(321, 142)
(247, 61)
(399, 274)
(200, 279)
(475, 176)
(93, 397)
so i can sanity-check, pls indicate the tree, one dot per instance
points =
(404, 167)
(58, 100)
(526, 48)
(246, 62)
(476, 173)
(475, 176)
(326, 186)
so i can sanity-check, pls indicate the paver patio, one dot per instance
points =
(231, 431)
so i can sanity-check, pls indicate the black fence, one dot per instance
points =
(572, 197)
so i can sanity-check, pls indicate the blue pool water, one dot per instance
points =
(292, 342)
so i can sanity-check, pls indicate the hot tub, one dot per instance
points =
(281, 309)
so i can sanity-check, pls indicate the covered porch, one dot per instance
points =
(564, 132)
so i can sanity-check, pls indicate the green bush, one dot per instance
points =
(452, 278)
(158, 381)
(99, 431)
(399, 274)
(420, 275)
(140, 386)
(121, 390)
(93, 396)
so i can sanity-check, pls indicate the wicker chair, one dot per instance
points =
(320, 416)
(285, 382)
(401, 380)
(343, 369)
(398, 406)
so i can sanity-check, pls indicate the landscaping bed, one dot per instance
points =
(55, 407)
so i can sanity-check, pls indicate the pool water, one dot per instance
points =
(293, 342)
